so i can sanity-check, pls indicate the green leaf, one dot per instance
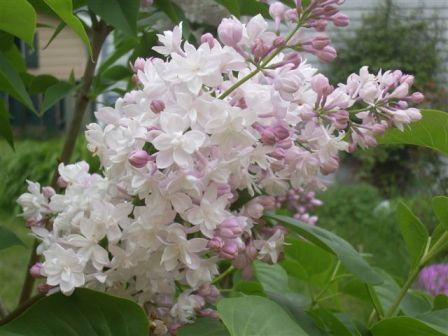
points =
(121, 14)
(273, 278)
(85, 312)
(440, 302)
(175, 14)
(55, 93)
(120, 50)
(348, 256)
(440, 206)
(331, 323)
(116, 73)
(203, 327)
(414, 233)
(5, 124)
(56, 32)
(39, 84)
(11, 82)
(403, 325)
(18, 18)
(8, 238)
(248, 288)
(431, 131)
(255, 315)
(245, 7)
(437, 318)
(64, 9)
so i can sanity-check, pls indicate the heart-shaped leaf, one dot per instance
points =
(85, 312)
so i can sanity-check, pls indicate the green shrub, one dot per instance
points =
(33, 160)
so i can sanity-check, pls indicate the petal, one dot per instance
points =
(192, 140)
(164, 159)
(162, 142)
(181, 158)
(173, 123)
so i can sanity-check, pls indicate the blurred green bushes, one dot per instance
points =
(360, 214)
(33, 160)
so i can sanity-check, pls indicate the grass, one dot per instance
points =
(13, 260)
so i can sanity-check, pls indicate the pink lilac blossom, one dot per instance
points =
(244, 114)
(434, 279)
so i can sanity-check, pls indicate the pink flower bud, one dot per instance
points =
(340, 20)
(278, 153)
(288, 83)
(327, 54)
(208, 312)
(320, 25)
(48, 192)
(292, 15)
(259, 48)
(279, 41)
(62, 183)
(292, 58)
(268, 202)
(44, 288)
(276, 10)
(209, 39)
(224, 189)
(285, 144)
(139, 158)
(417, 98)
(139, 64)
(320, 41)
(157, 106)
(379, 129)
(329, 166)
(281, 132)
(229, 250)
(230, 32)
(209, 292)
(230, 228)
(321, 85)
(216, 243)
(36, 271)
(254, 209)
(268, 137)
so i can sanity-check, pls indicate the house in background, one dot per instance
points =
(65, 54)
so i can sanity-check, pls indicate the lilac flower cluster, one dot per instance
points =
(241, 114)
(434, 279)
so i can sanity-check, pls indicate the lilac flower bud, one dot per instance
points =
(229, 250)
(287, 83)
(340, 20)
(216, 243)
(278, 153)
(320, 41)
(230, 32)
(292, 58)
(298, 4)
(329, 166)
(279, 41)
(44, 288)
(408, 79)
(61, 182)
(36, 271)
(321, 85)
(417, 98)
(320, 25)
(327, 54)
(292, 15)
(285, 144)
(48, 192)
(379, 129)
(268, 137)
(139, 64)
(157, 106)
(268, 202)
(259, 48)
(139, 158)
(230, 228)
(209, 292)
(281, 132)
(276, 10)
(224, 189)
(254, 209)
(208, 312)
(209, 39)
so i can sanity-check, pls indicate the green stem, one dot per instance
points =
(430, 253)
(265, 61)
(319, 295)
(223, 274)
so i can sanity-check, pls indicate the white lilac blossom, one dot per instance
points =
(211, 137)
